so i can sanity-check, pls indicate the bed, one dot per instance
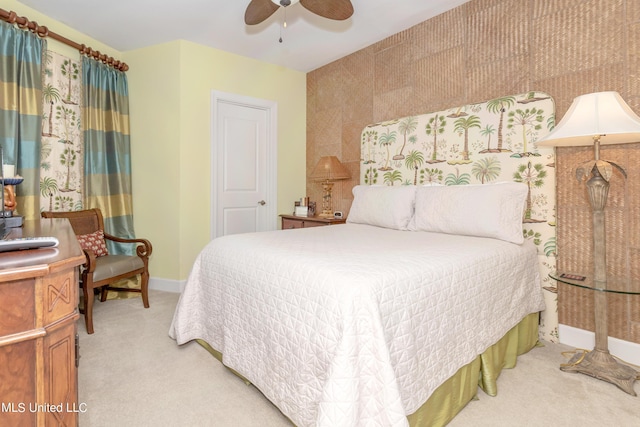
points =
(391, 319)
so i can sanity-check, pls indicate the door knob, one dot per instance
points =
(262, 203)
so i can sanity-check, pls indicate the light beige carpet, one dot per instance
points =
(132, 374)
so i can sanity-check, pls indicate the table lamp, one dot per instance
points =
(327, 170)
(598, 119)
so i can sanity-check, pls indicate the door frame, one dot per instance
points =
(271, 186)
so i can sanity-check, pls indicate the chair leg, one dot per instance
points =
(144, 287)
(103, 293)
(88, 307)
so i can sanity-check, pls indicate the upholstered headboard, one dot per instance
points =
(477, 144)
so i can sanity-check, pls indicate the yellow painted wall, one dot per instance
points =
(204, 69)
(154, 100)
(170, 89)
(169, 92)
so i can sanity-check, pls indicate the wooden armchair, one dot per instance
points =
(102, 271)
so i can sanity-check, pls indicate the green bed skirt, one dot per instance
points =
(453, 395)
(449, 399)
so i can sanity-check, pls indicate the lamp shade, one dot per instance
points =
(329, 168)
(603, 114)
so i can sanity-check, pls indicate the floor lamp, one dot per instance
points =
(327, 170)
(598, 119)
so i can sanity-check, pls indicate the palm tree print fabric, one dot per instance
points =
(61, 155)
(477, 144)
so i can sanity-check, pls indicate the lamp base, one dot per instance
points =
(327, 210)
(601, 365)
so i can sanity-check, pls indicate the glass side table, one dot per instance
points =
(599, 363)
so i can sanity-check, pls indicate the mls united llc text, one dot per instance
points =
(22, 407)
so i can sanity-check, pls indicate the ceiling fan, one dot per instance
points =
(259, 10)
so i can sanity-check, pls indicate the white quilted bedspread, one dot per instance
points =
(353, 325)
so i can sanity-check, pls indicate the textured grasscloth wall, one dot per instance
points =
(486, 49)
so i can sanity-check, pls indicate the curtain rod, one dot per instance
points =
(42, 31)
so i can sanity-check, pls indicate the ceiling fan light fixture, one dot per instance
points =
(284, 3)
(259, 10)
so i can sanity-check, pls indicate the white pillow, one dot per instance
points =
(483, 210)
(383, 206)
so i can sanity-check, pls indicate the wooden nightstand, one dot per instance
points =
(292, 221)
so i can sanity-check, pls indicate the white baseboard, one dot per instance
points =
(166, 285)
(579, 338)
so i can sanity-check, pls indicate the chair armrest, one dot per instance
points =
(143, 248)
(90, 256)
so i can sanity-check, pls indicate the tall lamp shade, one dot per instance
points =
(603, 114)
(327, 170)
(598, 118)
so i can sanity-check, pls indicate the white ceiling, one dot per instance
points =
(308, 42)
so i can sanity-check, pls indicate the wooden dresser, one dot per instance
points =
(38, 339)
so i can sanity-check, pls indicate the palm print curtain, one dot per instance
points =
(107, 160)
(61, 178)
(21, 55)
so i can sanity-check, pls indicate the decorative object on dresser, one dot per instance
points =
(293, 221)
(102, 269)
(38, 339)
(8, 181)
(598, 119)
(301, 207)
(327, 170)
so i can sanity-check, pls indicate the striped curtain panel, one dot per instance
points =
(21, 54)
(107, 160)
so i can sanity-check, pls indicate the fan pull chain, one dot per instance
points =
(284, 23)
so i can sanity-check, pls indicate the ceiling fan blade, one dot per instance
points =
(331, 9)
(258, 11)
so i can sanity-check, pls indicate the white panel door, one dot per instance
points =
(243, 165)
